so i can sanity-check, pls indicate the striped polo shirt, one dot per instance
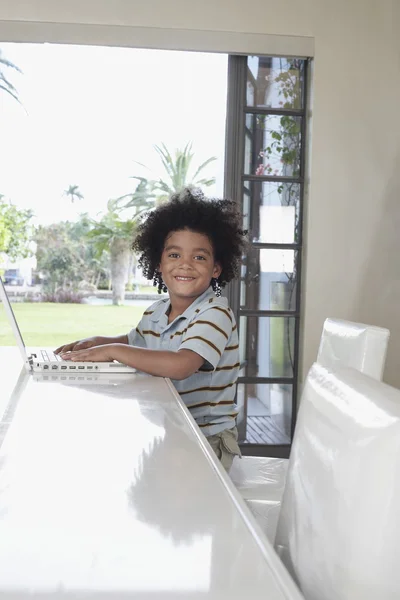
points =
(208, 328)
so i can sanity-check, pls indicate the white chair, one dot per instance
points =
(261, 480)
(339, 525)
(362, 347)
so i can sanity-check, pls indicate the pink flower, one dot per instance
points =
(260, 170)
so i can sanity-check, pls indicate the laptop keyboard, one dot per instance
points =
(49, 356)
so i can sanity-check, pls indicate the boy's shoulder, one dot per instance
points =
(214, 302)
(157, 307)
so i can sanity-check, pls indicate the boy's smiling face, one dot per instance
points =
(187, 264)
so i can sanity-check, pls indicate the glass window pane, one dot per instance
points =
(265, 413)
(272, 145)
(250, 93)
(274, 82)
(246, 206)
(271, 213)
(266, 346)
(247, 149)
(269, 280)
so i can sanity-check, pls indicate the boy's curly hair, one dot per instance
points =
(219, 220)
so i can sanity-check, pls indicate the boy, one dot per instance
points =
(190, 247)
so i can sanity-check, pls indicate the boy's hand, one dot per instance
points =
(80, 345)
(95, 354)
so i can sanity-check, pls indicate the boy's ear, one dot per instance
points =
(217, 270)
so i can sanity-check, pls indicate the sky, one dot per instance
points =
(90, 114)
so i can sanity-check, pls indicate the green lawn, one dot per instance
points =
(48, 324)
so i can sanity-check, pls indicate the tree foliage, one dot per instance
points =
(177, 166)
(64, 256)
(73, 193)
(15, 230)
(282, 134)
(179, 173)
(114, 234)
(5, 84)
(113, 226)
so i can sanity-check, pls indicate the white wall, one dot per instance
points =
(352, 248)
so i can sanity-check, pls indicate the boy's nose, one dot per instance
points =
(186, 263)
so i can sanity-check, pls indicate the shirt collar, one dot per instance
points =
(162, 310)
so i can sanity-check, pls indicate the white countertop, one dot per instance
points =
(108, 491)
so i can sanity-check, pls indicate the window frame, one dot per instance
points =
(235, 178)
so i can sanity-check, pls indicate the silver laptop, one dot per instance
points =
(44, 359)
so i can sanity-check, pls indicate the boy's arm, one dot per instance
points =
(162, 363)
(97, 340)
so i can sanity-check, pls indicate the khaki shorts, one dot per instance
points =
(225, 446)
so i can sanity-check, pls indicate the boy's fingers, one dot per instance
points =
(65, 348)
(68, 355)
(81, 346)
(72, 346)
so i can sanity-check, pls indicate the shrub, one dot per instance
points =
(62, 295)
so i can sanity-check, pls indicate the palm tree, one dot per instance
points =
(142, 199)
(73, 193)
(115, 232)
(5, 84)
(179, 174)
(135, 204)
(115, 235)
(177, 167)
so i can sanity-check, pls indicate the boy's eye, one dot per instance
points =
(200, 257)
(173, 255)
